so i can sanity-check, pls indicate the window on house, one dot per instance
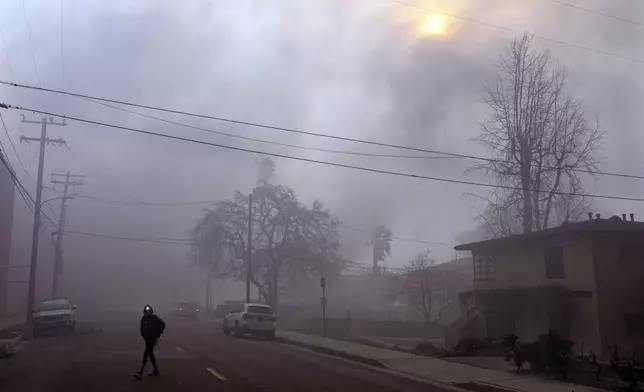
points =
(555, 268)
(483, 267)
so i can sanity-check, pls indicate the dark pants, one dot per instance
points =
(149, 353)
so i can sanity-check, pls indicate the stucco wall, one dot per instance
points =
(523, 266)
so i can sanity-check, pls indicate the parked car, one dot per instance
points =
(54, 315)
(186, 310)
(253, 319)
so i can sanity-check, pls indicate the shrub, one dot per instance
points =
(471, 346)
(425, 348)
(549, 352)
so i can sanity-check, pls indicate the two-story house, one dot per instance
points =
(585, 280)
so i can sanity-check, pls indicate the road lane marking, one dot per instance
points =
(179, 349)
(216, 374)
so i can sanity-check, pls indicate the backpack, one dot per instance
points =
(160, 326)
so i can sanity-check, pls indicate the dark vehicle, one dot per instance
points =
(186, 310)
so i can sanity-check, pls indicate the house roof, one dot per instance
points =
(613, 224)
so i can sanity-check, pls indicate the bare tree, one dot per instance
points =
(415, 283)
(541, 140)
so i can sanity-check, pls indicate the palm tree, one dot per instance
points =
(208, 242)
(381, 245)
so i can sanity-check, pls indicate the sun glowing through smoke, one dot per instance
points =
(435, 25)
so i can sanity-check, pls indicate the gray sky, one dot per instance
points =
(360, 68)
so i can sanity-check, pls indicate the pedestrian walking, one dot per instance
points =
(152, 328)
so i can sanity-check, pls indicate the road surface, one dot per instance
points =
(193, 356)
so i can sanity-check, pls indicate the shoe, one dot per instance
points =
(154, 374)
(137, 376)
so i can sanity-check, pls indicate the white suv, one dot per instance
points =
(54, 315)
(253, 319)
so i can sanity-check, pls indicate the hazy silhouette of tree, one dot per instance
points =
(541, 140)
(381, 245)
(289, 240)
(266, 171)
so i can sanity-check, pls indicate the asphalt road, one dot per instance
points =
(192, 356)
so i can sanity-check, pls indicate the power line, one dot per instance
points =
(188, 203)
(511, 30)
(600, 13)
(31, 46)
(62, 44)
(147, 204)
(170, 241)
(23, 191)
(323, 135)
(362, 267)
(262, 140)
(398, 238)
(13, 146)
(7, 165)
(6, 53)
(335, 164)
(20, 191)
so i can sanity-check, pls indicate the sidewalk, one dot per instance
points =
(10, 338)
(11, 321)
(432, 369)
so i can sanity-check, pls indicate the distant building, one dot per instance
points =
(374, 296)
(7, 190)
(584, 280)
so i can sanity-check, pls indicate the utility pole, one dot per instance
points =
(250, 247)
(208, 284)
(43, 141)
(323, 284)
(69, 179)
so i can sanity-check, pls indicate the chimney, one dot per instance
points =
(632, 217)
(597, 216)
(590, 216)
(624, 217)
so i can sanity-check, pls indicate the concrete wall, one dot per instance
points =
(619, 285)
(523, 266)
(6, 222)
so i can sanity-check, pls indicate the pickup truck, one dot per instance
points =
(253, 319)
(54, 315)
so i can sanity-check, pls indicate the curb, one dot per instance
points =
(9, 347)
(328, 351)
(381, 366)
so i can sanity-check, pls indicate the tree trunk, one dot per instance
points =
(375, 260)
(209, 284)
(275, 287)
(428, 324)
(527, 198)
